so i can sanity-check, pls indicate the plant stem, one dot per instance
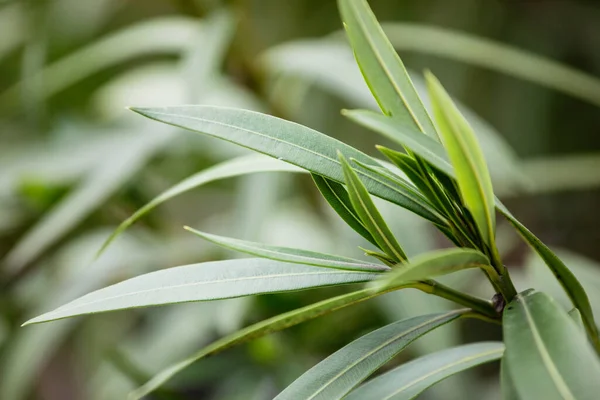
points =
(501, 278)
(483, 307)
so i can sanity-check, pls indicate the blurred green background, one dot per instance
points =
(74, 163)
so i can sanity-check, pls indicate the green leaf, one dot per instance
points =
(409, 166)
(274, 324)
(423, 146)
(366, 210)
(202, 282)
(335, 376)
(411, 379)
(231, 168)
(290, 142)
(548, 357)
(471, 170)
(507, 388)
(563, 274)
(576, 317)
(337, 197)
(291, 255)
(381, 67)
(435, 263)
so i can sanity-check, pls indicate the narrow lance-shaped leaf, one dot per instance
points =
(337, 197)
(546, 354)
(465, 154)
(381, 67)
(429, 186)
(563, 274)
(228, 169)
(291, 255)
(274, 324)
(290, 142)
(339, 373)
(365, 208)
(435, 263)
(202, 282)
(411, 379)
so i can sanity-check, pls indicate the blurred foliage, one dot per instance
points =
(74, 164)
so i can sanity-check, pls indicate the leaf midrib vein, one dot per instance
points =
(246, 278)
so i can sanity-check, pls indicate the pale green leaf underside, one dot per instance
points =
(339, 373)
(381, 67)
(206, 281)
(291, 255)
(290, 142)
(435, 263)
(274, 324)
(547, 355)
(369, 215)
(228, 169)
(411, 379)
(467, 159)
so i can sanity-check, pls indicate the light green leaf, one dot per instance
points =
(435, 263)
(563, 275)
(471, 170)
(337, 197)
(291, 255)
(422, 145)
(274, 324)
(335, 376)
(382, 69)
(231, 168)
(411, 379)
(290, 142)
(366, 210)
(547, 356)
(202, 282)
(507, 388)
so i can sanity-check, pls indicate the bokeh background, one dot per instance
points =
(74, 163)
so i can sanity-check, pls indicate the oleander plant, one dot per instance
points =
(436, 171)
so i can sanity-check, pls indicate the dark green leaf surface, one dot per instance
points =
(202, 282)
(411, 379)
(563, 274)
(274, 324)
(291, 255)
(435, 263)
(337, 197)
(366, 210)
(548, 357)
(467, 159)
(339, 373)
(381, 67)
(287, 141)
